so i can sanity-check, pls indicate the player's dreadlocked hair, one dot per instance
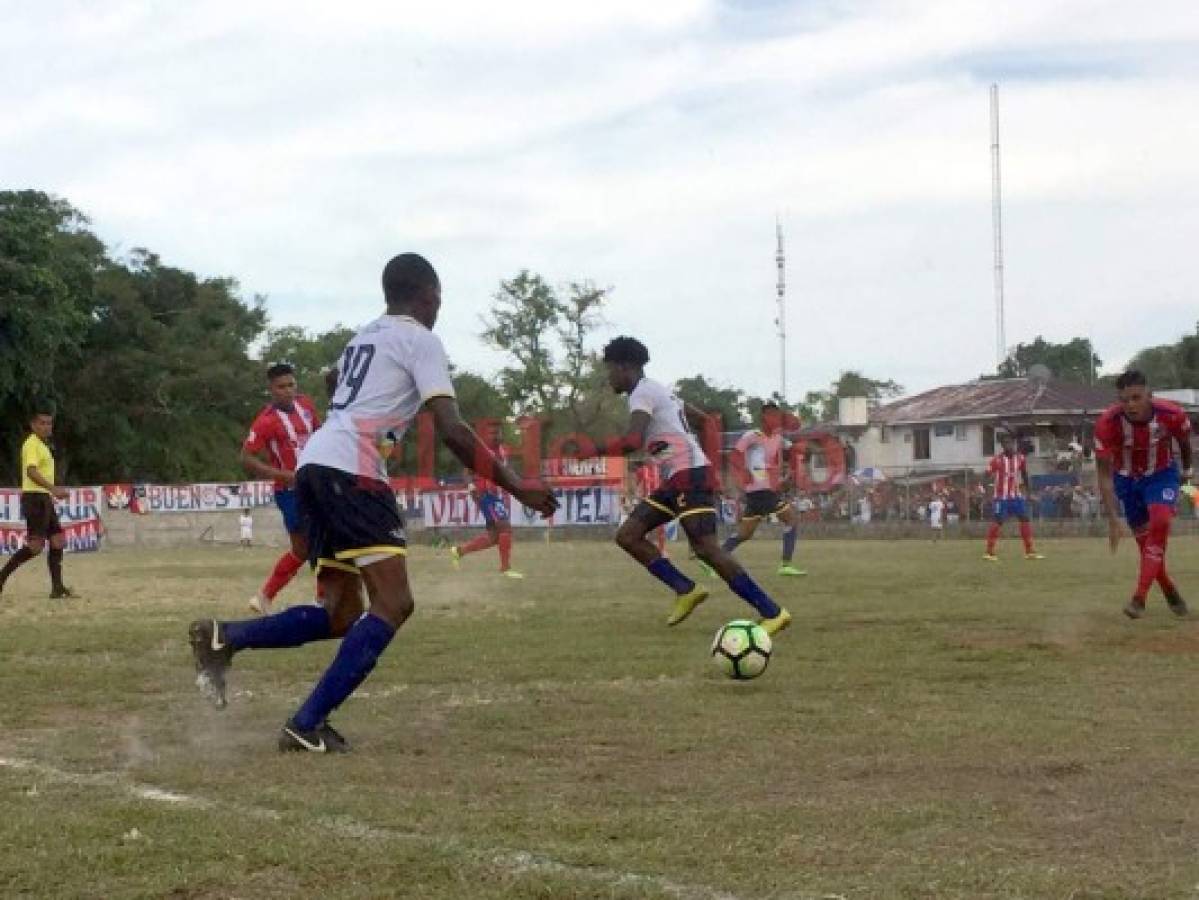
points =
(626, 350)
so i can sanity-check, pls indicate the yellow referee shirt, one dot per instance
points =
(34, 452)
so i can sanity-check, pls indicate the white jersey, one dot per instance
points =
(936, 513)
(247, 526)
(387, 372)
(668, 439)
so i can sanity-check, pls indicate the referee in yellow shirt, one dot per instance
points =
(38, 493)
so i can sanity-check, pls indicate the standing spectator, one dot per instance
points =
(38, 493)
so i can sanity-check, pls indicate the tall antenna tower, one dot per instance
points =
(997, 229)
(781, 311)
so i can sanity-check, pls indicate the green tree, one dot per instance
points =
(855, 384)
(816, 407)
(478, 398)
(556, 373)
(727, 402)
(48, 263)
(311, 354)
(165, 388)
(1171, 365)
(821, 406)
(1074, 360)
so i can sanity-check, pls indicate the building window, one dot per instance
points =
(988, 440)
(942, 430)
(922, 445)
(907, 437)
(959, 432)
(884, 434)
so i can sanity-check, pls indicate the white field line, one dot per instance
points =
(515, 862)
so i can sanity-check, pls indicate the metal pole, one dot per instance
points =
(780, 260)
(997, 231)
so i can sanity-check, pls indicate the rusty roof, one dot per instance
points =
(996, 398)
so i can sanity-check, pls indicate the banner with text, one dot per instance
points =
(79, 515)
(576, 506)
(187, 498)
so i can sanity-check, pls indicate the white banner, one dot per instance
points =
(185, 498)
(576, 506)
(79, 515)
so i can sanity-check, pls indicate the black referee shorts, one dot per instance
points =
(41, 518)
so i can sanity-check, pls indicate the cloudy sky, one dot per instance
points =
(646, 146)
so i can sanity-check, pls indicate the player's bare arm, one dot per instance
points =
(473, 453)
(37, 478)
(740, 479)
(633, 440)
(696, 417)
(1107, 490)
(258, 467)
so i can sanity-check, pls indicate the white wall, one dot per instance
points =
(897, 451)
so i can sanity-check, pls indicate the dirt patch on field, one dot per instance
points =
(1017, 640)
(1171, 642)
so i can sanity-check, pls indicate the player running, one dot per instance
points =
(758, 458)
(391, 369)
(494, 508)
(281, 431)
(645, 478)
(658, 423)
(1135, 461)
(1010, 471)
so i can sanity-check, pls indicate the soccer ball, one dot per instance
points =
(741, 649)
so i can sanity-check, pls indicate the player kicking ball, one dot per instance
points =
(758, 458)
(1137, 474)
(658, 424)
(390, 370)
(1009, 469)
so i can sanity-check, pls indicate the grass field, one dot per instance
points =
(931, 726)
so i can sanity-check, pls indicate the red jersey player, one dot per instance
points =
(1134, 454)
(496, 517)
(1009, 469)
(281, 431)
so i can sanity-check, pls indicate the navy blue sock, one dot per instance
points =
(663, 569)
(731, 543)
(360, 650)
(290, 628)
(790, 537)
(747, 589)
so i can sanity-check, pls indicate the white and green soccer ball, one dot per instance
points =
(741, 649)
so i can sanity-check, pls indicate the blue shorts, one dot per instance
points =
(493, 508)
(1136, 495)
(290, 508)
(1013, 507)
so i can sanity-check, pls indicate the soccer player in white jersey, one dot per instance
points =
(390, 370)
(658, 423)
(758, 459)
